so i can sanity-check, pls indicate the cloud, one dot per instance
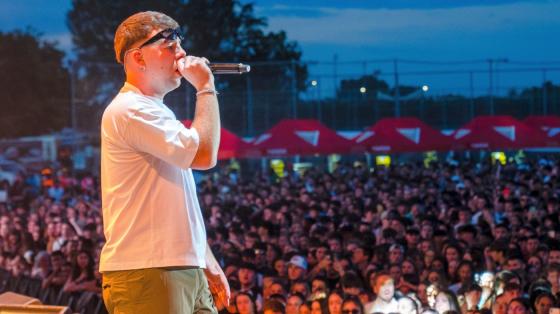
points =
(63, 40)
(391, 26)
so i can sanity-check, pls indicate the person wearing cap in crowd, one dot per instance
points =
(297, 268)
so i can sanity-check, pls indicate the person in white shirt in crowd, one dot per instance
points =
(385, 301)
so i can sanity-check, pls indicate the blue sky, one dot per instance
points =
(432, 30)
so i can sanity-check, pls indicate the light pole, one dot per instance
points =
(250, 127)
(397, 92)
(471, 91)
(491, 63)
(363, 91)
(425, 89)
(317, 95)
(544, 93)
(293, 88)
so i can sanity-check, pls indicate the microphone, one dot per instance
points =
(229, 68)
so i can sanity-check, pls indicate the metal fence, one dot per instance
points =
(347, 95)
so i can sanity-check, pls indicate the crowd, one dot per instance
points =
(444, 238)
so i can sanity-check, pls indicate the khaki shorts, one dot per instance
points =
(157, 290)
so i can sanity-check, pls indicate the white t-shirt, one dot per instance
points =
(378, 306)
(151, 215)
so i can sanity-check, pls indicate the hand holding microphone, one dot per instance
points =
(193, 70)
(196, 71)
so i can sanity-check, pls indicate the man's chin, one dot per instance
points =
(175, 84)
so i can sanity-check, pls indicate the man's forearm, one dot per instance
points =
(217, 281)
(207, 123)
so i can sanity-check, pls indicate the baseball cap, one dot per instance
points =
(298, 261)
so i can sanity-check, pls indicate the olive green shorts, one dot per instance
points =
(157, 290)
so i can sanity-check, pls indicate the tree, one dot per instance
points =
(34, 85)
(222, 30)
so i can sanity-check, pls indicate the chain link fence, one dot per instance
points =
(346, 95)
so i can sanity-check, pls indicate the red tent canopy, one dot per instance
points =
(549, 125)
(399, 135)
(497, 132)
(231, 146)
(301, 137)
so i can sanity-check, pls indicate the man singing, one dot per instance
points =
(156, 259)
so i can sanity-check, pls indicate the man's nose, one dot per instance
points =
(180, 52)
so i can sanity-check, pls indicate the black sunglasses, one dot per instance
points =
(167, 34)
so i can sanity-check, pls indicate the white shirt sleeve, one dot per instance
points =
(151, 130)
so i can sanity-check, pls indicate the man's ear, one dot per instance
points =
(138, 58)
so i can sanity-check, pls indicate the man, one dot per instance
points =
(384, 290)
(496, 255)
(360, 257)
(500, 305)
(156, 259)
(247, 278)
(396, 254)
(297, 268)
(293, 303)
(554, 254)
(57, 276)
